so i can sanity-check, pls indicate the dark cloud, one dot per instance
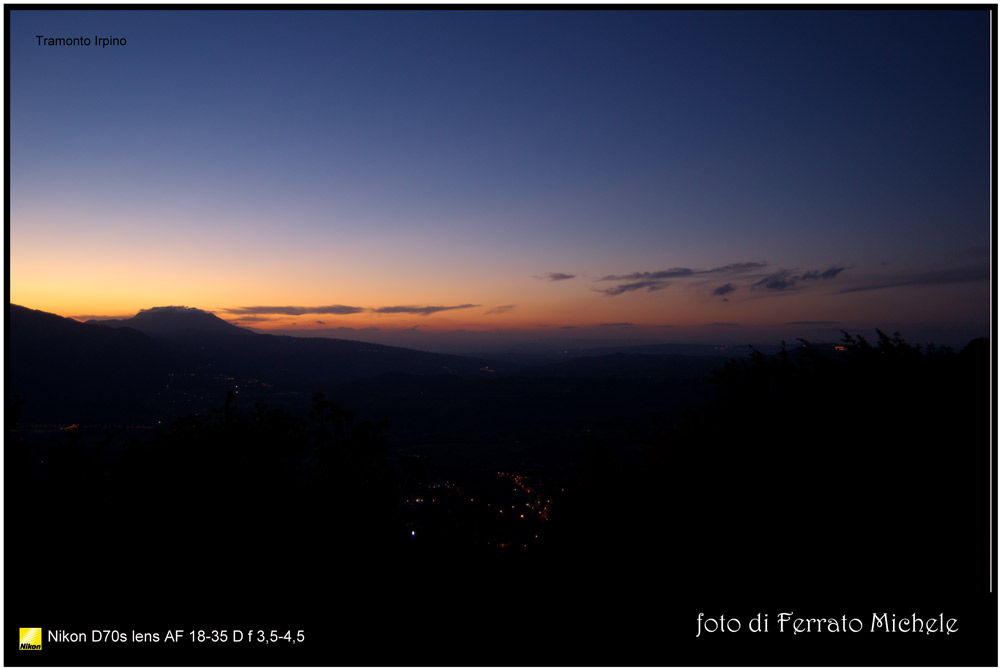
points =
(337, 333)
(245, 312)
(722, 325)
(501, 309)
(252, 319)
(320, 323)
(678, 272)
(831, 273)
(816, 274)
(420, 311)
(556, 276)
(662, 274)
(616, 325)
(734, 268)
(296, 311)
(568, 327)
(927, 278)
(652, 281)
(650, 286)
(783, 279)
(777, 281)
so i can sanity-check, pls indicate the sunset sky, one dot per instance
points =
(661, 175)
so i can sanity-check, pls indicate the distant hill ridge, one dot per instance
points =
(174, 320)
(176, 360)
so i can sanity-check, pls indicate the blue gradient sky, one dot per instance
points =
(788, 173)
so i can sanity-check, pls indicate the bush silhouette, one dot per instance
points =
(813, 466)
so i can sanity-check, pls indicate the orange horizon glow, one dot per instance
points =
(543, 307)
(560, 202)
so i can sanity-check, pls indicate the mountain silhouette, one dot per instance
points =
(169, 361)
(64, 370)
(170, 321)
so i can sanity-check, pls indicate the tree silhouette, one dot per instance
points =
(810, 466)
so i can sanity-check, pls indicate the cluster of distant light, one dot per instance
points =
(537, 505)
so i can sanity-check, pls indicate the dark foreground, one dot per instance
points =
(840, 501)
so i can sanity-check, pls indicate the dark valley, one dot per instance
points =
(432, 494)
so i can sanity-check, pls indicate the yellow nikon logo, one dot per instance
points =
(31, 638)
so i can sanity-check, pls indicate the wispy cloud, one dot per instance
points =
(502, 309)
(420, 311)
(616, 325)
(829, 273)
(650, 286)
(556, 276)
(662, 274)
(784, 278)
(657, 280)
(720, 324)
(338, 309)
(777, 281)
(338, 333)
(678, 272)
(251, 319)
(255, 313)
(735, 268)
(925, 278)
